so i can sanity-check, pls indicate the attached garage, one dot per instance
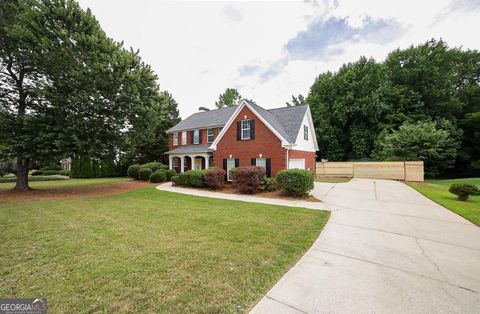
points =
(296, 163)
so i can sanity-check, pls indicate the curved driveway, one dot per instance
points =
(385, 249)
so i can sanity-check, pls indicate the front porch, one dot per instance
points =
(182, 163)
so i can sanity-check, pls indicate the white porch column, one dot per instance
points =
(182, 163)
(206, 162)
(193, 162)
(170, 162)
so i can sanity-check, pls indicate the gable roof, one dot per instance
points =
(286, 121)
(204, 119)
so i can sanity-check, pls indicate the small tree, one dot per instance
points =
(229, 98)
(464, 191)
(419, 141)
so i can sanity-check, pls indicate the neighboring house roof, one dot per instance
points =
(190, 149)
(204, 119)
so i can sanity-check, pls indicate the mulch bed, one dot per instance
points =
(229, 189)
(73, 192)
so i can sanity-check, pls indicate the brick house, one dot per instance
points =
(244, 135)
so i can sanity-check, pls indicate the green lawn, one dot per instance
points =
(68, 183)
(150, 251)
(437, 190)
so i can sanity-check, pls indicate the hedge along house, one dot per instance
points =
(244, 135)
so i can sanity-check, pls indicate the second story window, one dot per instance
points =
(184, 138)
(210, 135)
(305, 133)
(175, 138)
(245, 129)
(196, 137)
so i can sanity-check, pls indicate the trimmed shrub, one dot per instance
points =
(132, 171)
(176, 180)
(37, 173)
(49, 172)
(295, 182)
(193, 178)
(65, 173)
(52, 167)
(269, 184)
(144, 174)
(464, 191)
(215, 178)
(158, 176)
(170, 173)
(154, 166)
(248, 179)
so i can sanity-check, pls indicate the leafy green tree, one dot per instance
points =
(66, 88)
(229, 98)
(297, 101)
(419, 141)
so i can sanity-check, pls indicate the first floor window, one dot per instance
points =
(230, 166)
(209, 135)
(305, 133)
(196, 137)
(210, 161)
(261, 162)
(175, 138)
(184, 138)
(245, 129)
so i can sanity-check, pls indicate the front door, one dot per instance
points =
(198, 163)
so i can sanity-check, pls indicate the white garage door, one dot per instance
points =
(296, 163)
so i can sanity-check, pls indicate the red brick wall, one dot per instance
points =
(204, 138)
(265, 143)
(309, 158)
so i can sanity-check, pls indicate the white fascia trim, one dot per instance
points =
(235, 114)
(312, 127)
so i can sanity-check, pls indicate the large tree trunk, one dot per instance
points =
(22, 174)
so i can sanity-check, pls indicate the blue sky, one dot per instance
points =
(270, 50)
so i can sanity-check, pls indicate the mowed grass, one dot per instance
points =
(68, 183)
(437, 190)
(150, 251)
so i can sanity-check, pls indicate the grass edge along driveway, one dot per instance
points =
(150, 251)
(437, 191)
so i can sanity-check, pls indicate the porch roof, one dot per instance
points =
(190, 149)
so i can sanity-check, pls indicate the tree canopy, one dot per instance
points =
(67, 88)
(229, 98)
(356, 106)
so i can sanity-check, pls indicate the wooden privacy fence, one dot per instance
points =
(395, 170)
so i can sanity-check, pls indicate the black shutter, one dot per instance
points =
(191, 137)
(225, 168)
(252, 129)
(200, 136)
(239, 130)
(269, 167)
(237, 163)
(254, 161)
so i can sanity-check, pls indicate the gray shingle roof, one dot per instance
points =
(217, 117)
(190, 149)
(286, 120)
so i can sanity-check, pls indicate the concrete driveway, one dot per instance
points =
(385, 249)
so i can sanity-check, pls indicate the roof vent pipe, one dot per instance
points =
(203, 109)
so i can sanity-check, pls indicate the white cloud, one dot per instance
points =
(200, 48)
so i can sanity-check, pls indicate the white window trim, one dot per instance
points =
(229, 163)
(263, 159)
(196, 136)
(175, 139)
(184, 138)
(249, 129)
(212, 135)
(305, 132)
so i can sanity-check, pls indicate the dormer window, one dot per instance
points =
(175, 139)
(305, 133)
(246, 130)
